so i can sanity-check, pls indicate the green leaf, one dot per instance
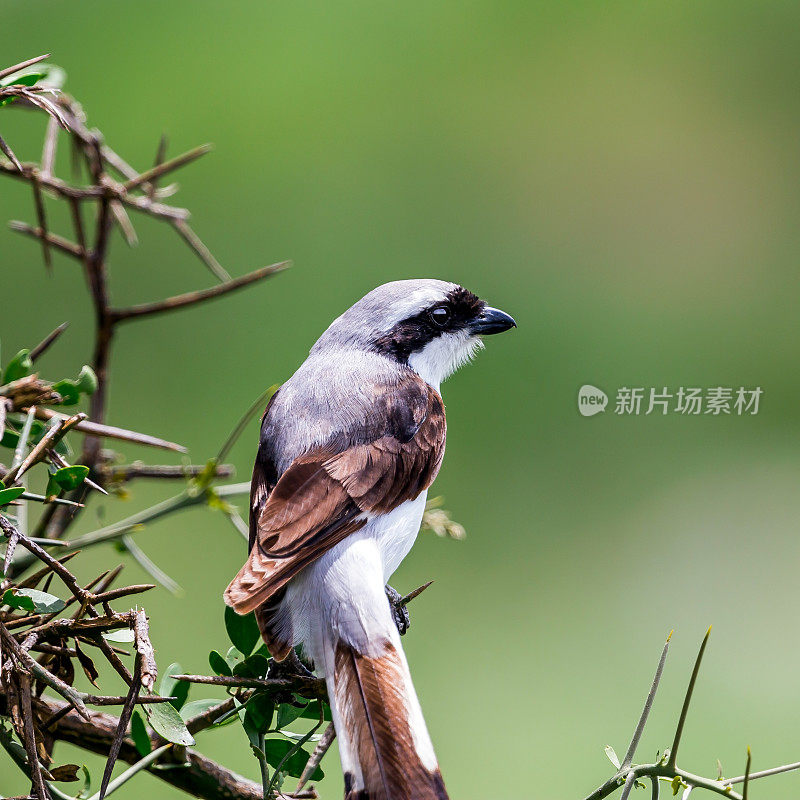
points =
(218, 664)
(288, 713)
(169, 687)
(612, 755)
(7, 495)
(242, 631)
(233, 657)
(69, 478)
(195, 707)
(38, 429)
(53, 489)
(23, 79)
(70, 394)
(87, 783)
(33, 600)
(311, 711)
(123, 636)
(165, 720)
(87, 380)
(19, 366)
(259, 712)
(141, 738)
(276, 749)
(254, 666)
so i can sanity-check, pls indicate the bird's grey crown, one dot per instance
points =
(379, 311)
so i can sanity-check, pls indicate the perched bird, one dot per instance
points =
(349, 446)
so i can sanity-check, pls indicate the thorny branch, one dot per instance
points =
(41, 648)
(665, 770)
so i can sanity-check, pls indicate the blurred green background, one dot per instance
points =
(621, 177)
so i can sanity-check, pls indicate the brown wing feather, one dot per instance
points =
(265, 477)
(322, 496)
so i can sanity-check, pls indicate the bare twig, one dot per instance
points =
(41, 217)
(412, 594)
(673, 753)
(4, 73)
(200, 296)
(112, 432)
(48, 340)
(323, 745)
(33, 667)
(141, 632)
(122, 591)
(29, 738)
(746, 785)
(139, 469)
(9, 153)
(200, 777)
(204, 254)
(312, 686)
(147, 564)
(122, 726)
(167, 166)
(161, 154)
(59, 242)
(53, 436)
(49, 149)
(124, 223)
(55, 565)
(648, 705)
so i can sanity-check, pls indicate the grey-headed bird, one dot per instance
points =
(349, 446)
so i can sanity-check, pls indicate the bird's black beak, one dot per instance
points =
(491, 320)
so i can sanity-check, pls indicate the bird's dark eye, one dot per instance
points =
(440, 316)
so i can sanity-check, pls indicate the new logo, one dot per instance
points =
(591, 400)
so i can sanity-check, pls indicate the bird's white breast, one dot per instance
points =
(396, 532)
(345, 586)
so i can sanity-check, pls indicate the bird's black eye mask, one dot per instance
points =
(459, 308)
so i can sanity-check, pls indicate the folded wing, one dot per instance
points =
(326, 494)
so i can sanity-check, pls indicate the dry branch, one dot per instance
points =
(59, 242)
(200, 777)
(192, 298)
(61, 642)
(4, 73)
(111, 432)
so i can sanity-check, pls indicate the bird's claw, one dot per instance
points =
(399, 611)
(291, 667)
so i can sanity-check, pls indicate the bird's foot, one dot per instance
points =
(400, 613)
(291, 667)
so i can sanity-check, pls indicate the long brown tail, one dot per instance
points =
(385, 748)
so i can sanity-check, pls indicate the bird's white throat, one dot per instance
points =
(439, 359)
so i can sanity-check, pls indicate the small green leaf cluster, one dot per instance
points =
(33, 600)
(264, 714)
(21, 366)
(66, 392)
(168, 720)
